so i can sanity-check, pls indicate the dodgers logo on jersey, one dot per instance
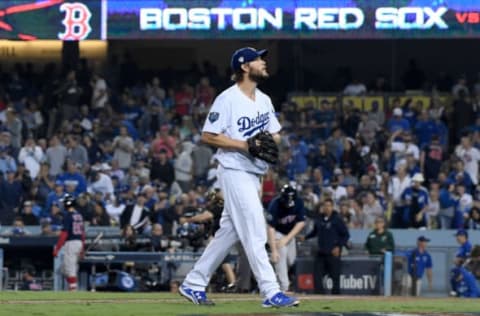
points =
(250, 125)
(213, 116)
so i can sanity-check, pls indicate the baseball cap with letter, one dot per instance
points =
(246, 55)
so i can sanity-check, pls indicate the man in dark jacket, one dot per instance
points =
(332, 234)
(137, 215)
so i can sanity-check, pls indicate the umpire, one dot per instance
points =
(332, 234)
(286, 218)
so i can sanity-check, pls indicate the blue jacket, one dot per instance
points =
(77, 178)
(463, 282)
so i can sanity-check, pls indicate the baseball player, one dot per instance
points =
(73, 237)
(243, 126)
(286, 218)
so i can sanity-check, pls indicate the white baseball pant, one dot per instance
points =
(71, 254)
(286, 258)
(242, 219)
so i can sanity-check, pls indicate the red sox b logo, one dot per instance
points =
(76, 22)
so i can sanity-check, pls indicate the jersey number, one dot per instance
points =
(77, 225)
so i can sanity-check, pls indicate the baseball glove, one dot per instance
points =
(263, 146)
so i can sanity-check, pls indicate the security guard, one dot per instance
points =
(332, 235)
(419, 262)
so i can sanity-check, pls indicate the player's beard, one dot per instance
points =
(258, 76)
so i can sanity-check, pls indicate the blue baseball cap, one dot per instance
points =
(246, 55)
(462, 232)
(423, 238)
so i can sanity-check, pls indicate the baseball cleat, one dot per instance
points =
(196, 297)
(280, 300)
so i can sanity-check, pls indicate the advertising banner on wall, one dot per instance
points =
(52, 19)
(248, 19)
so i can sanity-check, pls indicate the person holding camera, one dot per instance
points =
(210, 217)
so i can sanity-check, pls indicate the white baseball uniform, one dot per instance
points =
(239, 117)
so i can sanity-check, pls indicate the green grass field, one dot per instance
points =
(146, 304)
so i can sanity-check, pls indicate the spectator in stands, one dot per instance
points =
(355, 88)
(10, 197)
(69, 94)
(115, 209)
(201, 155)
(161, 169)
(85, 206)
(299, 151)
(460, 87)
(72, 176)
(7, 162)
(332, 235)
(460, 176)
(27, 215)
(54, 217)
(380, 240)
(350, 158)
(433, 209)
(413, 166)
(465, 248)
(372, 209)
(337, 190)
(123, 148)
(397, 122)
(100, 216)
(473, 222)
(56, 156)
(136, 215)
(431, 159)
(99, 92)
(164, 141)
(100, 182)
(465, 204)
(18, 228)
(367, 128)
(402, 144)
(56, 195)
(14, 127)
(158, 241)
(129, 235)
(470, 157)
(77, 152)
(323, 160)
(419, 262)
(416, 201)
(184, 166)
(31, 155)
(424, 129)
(377, 114)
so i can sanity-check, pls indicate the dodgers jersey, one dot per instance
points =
(239, 117)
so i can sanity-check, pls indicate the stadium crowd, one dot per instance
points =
(120, 144)
(129, 151)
